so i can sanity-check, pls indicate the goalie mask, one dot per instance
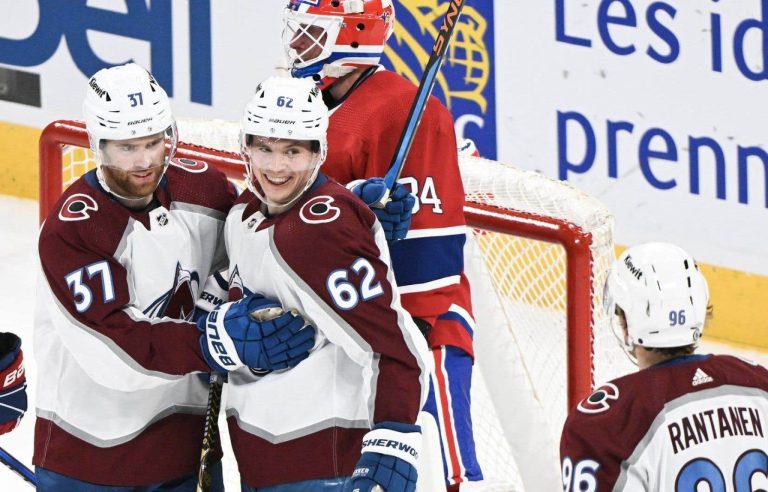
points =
(283, 140)
(327, 39)
(663, 295)
(131, 130)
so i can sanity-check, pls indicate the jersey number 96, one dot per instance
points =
(581, 477)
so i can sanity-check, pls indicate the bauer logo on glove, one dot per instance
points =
(254, 332)
(13, 393)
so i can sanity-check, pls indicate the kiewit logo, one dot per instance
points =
(701, 377)
(636, 272)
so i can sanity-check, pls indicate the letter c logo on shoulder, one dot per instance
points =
(76, 207)
(600, 400)
(318, 210)
(190, 165)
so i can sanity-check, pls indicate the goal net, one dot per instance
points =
(537, 256)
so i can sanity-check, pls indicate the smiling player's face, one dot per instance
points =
(282, 167)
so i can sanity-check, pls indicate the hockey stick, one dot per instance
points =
(424, 91)
(18, 467)
(211, 432)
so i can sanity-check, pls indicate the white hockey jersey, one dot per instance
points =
(113, 331)
(327, 258)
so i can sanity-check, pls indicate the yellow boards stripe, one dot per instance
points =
(18, 160)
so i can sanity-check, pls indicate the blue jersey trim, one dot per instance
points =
(425, 259)
(683, 359)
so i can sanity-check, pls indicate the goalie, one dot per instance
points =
(338, 44)
(308, 242)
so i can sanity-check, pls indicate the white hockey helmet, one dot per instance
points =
(342, 34)
(663, 295)
(285, 108)
(125, 102)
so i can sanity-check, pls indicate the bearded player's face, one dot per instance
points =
(282, 167)
(133, 168)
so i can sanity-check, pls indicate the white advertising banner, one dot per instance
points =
(657, 108)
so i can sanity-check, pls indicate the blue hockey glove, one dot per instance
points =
(393, 210)
(13, 382)
(390, 451)
(254, 332)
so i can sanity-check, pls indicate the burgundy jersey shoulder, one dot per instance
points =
(85, 215)
(628, 406)
(328, 203)
(199, 183)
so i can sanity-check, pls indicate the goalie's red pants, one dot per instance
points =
(449, 403)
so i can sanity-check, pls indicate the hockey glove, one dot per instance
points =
(254, 332)
(394, 210)
(390, 451)
(13, 382)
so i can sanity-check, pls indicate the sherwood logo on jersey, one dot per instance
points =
(466, 83)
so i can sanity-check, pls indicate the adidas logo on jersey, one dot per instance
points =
(701, 377)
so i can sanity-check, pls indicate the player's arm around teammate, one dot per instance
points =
(122, 256)
(684, 419)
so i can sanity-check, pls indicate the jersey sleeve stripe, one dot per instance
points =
(435, 232)
(427, 286)
(427, 259)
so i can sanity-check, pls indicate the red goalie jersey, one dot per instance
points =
(672, 427)
(429, 263)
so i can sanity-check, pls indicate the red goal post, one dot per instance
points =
(543, 247)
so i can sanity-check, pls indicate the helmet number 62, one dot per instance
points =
(283, 101)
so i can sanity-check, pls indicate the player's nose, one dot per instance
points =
(146, 159)
(300, 41)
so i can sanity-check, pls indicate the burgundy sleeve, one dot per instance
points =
(91, 286)
(346, 248)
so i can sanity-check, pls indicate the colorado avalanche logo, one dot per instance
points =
(599, 401)
(179, 301)
(319, 210)
(76, 207)
(236, 289)
(190, 165)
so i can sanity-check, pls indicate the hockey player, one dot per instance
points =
(122, 256)
(338, 44)
(682, 421)
(308, 242)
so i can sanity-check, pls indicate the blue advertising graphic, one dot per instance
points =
(151, 22)
(466, 80)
